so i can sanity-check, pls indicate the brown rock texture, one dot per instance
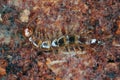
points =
(26, 24)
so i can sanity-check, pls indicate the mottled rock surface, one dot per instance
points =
(97, 22)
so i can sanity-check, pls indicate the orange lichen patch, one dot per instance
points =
(40, 64)
(115, 43)
(2, 71)
(48, 61)
(111, 66)
(3, 63)
(57, 78)
(118, 30)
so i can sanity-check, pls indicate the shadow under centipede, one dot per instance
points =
(40, 53)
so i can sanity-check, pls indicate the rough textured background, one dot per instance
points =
(50, 19)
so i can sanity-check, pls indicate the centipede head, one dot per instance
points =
(28, 31)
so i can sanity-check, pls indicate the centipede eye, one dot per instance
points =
(28, 32)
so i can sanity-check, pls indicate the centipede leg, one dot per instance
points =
(68, 48)
(54, 51)
(59, 50)
(78, 47)
(65, 49)
(75, 50)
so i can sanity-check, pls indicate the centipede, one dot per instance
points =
(45, 39)
(69, 40)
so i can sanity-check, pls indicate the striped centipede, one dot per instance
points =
(65, 40)
(62, 41)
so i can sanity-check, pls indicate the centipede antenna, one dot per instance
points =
(60, 31)
(46, 35)
(38, 35)
(55, 34)
(66, 30)
(35, 16)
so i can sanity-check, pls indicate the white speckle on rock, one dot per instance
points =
(1, 18)
(24, 16)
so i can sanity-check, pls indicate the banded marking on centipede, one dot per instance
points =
(62, 41)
